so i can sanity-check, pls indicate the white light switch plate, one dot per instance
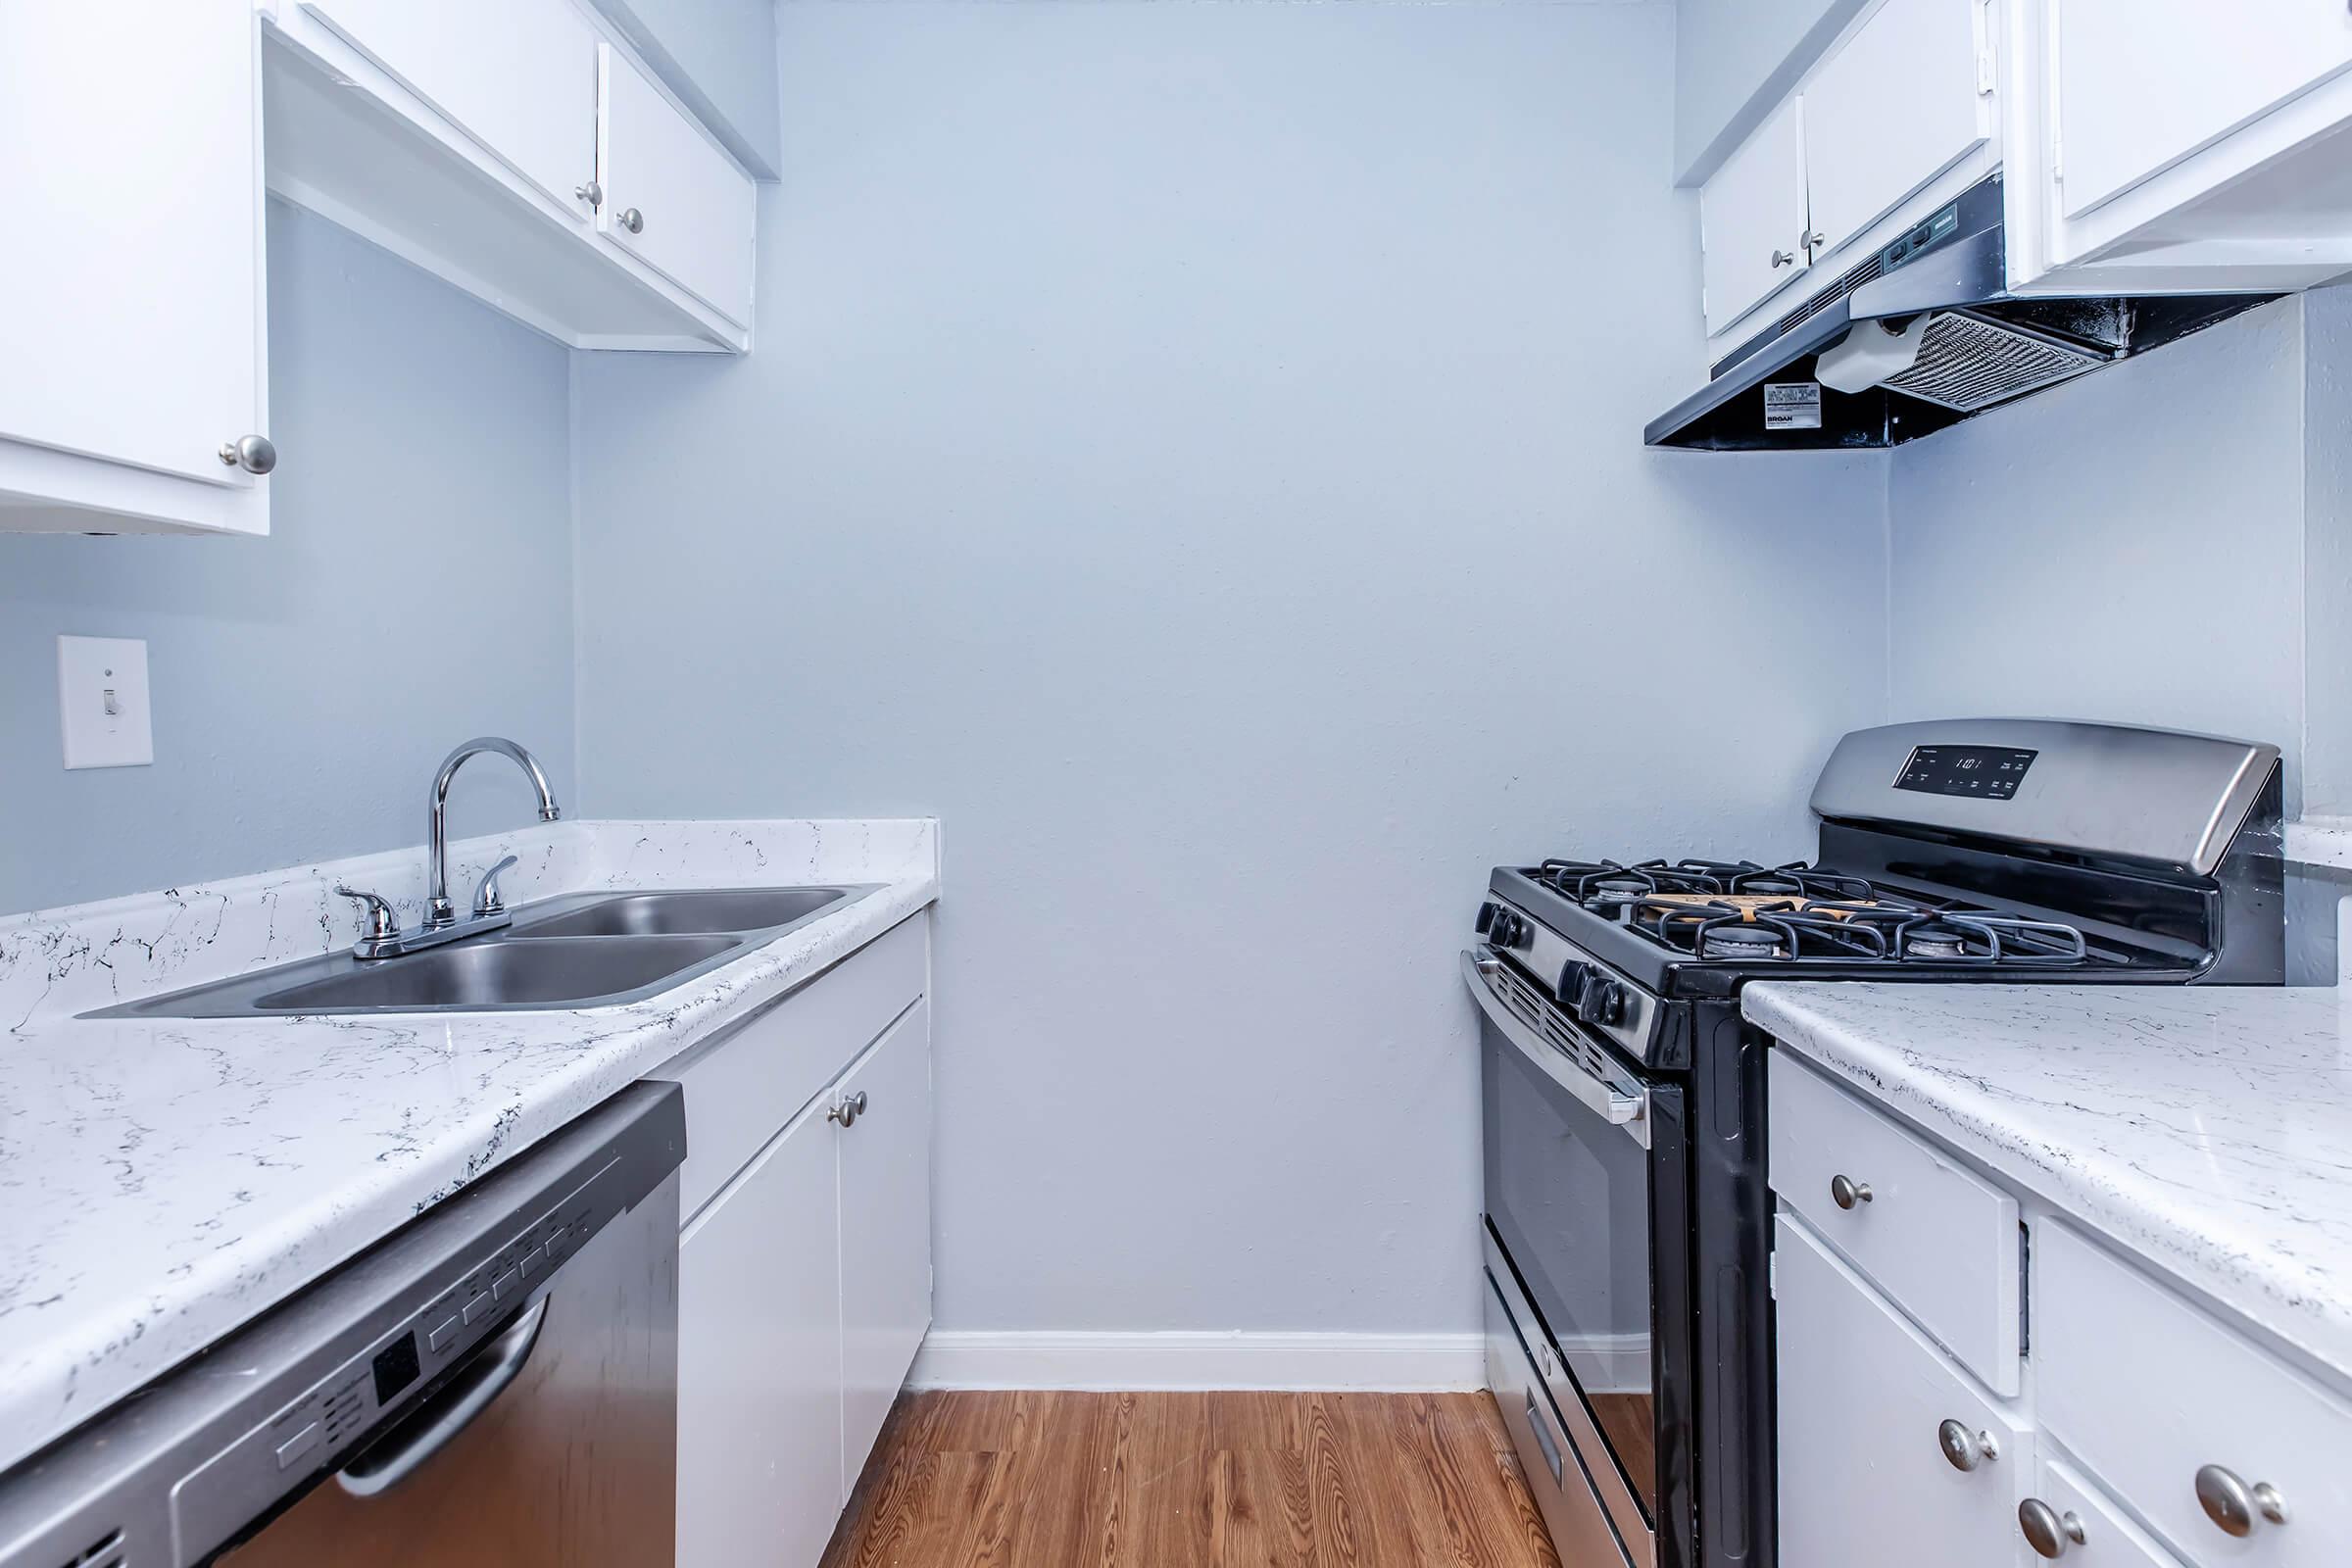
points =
(102, 702)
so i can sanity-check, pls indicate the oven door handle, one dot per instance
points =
(1611, 1103)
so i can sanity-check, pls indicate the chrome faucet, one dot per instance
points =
(383, 937)
(439, 914)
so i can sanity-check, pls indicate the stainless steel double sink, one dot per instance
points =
(586, 950)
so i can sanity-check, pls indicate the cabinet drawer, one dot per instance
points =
(742, 1087)
(1863, 1401)
(1937, 1239)
(2110, 1540)
(2148, 1390)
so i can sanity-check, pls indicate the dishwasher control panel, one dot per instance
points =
(471, 1299)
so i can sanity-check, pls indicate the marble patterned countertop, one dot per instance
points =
(2206, 1129)
(164, 1180)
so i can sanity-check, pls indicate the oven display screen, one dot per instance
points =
(395, 1368)
(1987, 772)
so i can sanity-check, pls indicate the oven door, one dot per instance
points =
(1569, 1174)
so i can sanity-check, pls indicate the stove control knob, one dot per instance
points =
(1506, 930)
(1603, 1003)
(1486, 917)
(1575, 976)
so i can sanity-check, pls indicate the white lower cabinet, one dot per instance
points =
(885, 1228)
(2148, 1431)
(805, 1278)
(759, 1322)
(2094, 1531)
(1882, 1441)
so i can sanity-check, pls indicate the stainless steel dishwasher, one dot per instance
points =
(496, 1383)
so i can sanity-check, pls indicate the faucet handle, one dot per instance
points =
(486, 899)
(381, 923)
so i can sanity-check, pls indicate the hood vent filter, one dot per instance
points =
(1969, 363)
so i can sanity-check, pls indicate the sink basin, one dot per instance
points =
(734, 910)
(582, 949)
(501, 974)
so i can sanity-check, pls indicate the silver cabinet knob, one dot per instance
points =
(591, 191)
(631, 220)
(2236, 1507)
(2047, 1531)
(1965, 1449)
(847, 1112)
(1783, 259)
(252, 453)
(1847, 1192)
(1816, 240)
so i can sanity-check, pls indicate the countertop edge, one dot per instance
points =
(2225, 1278)
(101, 1353)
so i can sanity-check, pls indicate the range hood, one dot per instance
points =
(1920, 336)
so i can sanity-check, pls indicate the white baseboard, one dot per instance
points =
(1388, 1364)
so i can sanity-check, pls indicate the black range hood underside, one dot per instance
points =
(1954, 264)
(1733, 419)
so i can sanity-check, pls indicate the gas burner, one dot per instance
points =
(1952, 937)
(1599, 883)
(1742, 938)
(1799, 880)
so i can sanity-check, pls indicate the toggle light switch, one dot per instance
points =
(102, 702)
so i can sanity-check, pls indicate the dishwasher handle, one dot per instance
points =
(433, 1425)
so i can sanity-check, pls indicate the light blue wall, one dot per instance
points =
(415, 590)
(1195, 450)
(718, 56)
(1735, 60)
(2129, 547)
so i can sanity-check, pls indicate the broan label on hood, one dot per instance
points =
(1793, 405)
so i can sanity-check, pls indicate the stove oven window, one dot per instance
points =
(1569, 1195)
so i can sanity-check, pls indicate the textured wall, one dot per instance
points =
(415, 590)
(1194, 451)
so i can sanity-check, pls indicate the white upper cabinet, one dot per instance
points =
(1752, 219)
(469, 136)
(518, 75)
(2142, 83)
(671, 197)
(1907, 97)
(2178, 146)
(135, 338)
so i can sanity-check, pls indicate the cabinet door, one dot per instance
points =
(885, 1228)
(760, 1360)
(1894, 108)
(2110, 1540)
(1863, 1400)
(516, 75)
(671, 197)
(2141, 84)
(130, 180)
(1751, 218)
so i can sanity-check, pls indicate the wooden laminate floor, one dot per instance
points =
(1036, 1480)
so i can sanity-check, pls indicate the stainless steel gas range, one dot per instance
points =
(1627, 1226)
